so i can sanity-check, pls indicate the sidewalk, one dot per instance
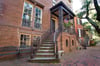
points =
(89, 57)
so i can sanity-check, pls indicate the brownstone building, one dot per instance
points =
(33, 23)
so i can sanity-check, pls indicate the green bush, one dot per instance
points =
(67, 24)
(93, 42)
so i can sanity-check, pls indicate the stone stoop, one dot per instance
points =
(45, 54)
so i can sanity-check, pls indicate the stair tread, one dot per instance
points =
(43, 58)
(46, 47)
(45, 50)
(44, 53)
(47, 44)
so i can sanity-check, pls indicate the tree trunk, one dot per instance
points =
(93, 24)
(97, 9)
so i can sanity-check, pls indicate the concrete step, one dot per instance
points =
(44, 58)
(48, 42)
(44, 61)
(46, 50)
(44, 53)
(46, 47)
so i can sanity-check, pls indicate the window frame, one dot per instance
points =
(54, 2)
(66, 42)
(79, 32)
(73, 43)
(31, 14)
(29, 42)
(78, 21)
(40, 17)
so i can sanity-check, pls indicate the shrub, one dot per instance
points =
(93, 42)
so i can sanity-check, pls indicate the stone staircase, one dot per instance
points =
(45, 54)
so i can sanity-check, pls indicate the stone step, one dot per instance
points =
(46, 50)
(44, 53)
(44, 61)
(46, 47)
(48, 42)
(44, 58)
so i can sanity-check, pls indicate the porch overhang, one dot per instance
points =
(66, 11)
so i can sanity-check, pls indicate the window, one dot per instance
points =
(66, 43)
(79, 32)
(72, 42)
(78, 21)
(24, 41)
(38, 18)
(27, 15)
(98, 2)
(54, 2)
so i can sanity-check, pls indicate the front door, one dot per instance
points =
(53, 25)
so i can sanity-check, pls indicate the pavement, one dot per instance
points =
(88, 57)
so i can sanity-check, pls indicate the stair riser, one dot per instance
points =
(46, 48)
(45, 51)
(44, 56)
(45, 61)
(47, 45)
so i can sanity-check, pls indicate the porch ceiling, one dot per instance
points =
(66, 11)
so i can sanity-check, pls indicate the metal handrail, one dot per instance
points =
(56, 34)
(38, 41)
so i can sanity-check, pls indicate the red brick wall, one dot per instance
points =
(8, 36)
(76, 25)
(66, 36)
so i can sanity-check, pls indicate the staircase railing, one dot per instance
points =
(69, 30)
(56, 34)
(38, 41)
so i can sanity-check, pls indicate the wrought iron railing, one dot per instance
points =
(69, 30)
(38, 41)
(56, 34)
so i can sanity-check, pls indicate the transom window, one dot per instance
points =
(24, 41)
(38, 18)
(27, 15)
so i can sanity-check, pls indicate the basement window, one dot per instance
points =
(24, 41)
(66, 43)
(72, 42)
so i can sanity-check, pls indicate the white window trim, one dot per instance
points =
(54, 2)
(29, 39)
(41, 17)
(79, 32)
(78, 21)
(23, 13)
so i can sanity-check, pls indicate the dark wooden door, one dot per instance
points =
(53, 25)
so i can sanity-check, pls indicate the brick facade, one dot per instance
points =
(11, 23)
